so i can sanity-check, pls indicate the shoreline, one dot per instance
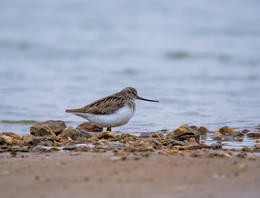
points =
(56, 160)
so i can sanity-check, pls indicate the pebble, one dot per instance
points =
(226, 130)
(216, 146)
(183, 141)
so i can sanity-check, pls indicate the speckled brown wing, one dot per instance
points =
(106, 105)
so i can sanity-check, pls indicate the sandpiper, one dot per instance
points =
(111, 111)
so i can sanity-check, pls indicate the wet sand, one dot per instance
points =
(82, 174)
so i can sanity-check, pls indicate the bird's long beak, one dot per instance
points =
(140, 98)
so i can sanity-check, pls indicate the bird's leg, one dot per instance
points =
(108, 128)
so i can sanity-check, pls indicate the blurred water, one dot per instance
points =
(201, 59)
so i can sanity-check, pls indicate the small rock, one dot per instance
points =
(241, 155)
(145, 154)
(257, 141)
(70, 133)
(107, 135)
(244, 131)
(39, 149)
(31, 139)
(89, 127)
(10, 138)
(203, 130)
(182, 130)
(246, 149)
(188, 137)
(256, 148)
(253, 134)
(157, 135)
(56, 126)
(12, 135)
(4, 139)
(193, 141)
(217, 138)
(40, 129)
(216, 146)
(13, 153)
(218, 134)
(237, 134)
(226, 130)
(195, 154)
(195, 129)
(85, 135)
(145, 135)
(172, 152)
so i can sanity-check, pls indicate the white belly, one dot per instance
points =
(119, 118)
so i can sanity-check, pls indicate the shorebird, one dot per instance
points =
(111, 111)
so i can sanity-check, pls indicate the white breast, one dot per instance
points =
(119, 118)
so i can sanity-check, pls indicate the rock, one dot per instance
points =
(85, 135)
(194, 129)
(183, 129)
(237, 134)
(180, 143)
(256, 148)
(216, 146)
(50, 127)
(39, 149)
(165, 142)
(253, 134)
(145, 135)
(30, 139)
(70, 133)
(226, 130)
(188, 137)
(217, 138)
(12, 135)
(246, 149)
(258, 127)
(5, 139)
(46, 143)
(107, 135)
(57, 126)
(123, 138)
(40, 129)
(89, 127)
(203, 130)
(218, 133)
(241, 155)
(244, 131)
(10, 138)
(172, 152)
(157, 135)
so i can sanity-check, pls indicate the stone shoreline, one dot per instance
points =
(51, 136)
(56, 160)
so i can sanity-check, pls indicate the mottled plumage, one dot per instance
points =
(111, 111)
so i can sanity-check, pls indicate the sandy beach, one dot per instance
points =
(82, 174)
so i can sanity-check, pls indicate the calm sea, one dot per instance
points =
(200, 59)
